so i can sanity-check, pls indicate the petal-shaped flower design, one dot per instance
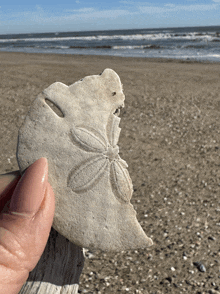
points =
(87, 173)
(121, 181)
(88, 140)
(123, 162)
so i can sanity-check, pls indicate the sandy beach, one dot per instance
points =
(170, 139)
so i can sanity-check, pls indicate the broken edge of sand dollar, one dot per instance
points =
(77, 129)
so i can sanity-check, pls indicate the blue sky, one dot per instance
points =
(80, 15)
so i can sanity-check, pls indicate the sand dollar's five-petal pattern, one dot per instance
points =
(104, 153)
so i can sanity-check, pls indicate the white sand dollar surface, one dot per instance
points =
(80, 140)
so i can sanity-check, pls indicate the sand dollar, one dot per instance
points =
(91, 182)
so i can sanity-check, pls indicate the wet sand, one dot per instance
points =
(171, 142)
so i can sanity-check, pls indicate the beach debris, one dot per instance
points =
(200, 266)
(211, 238)
(77, 129)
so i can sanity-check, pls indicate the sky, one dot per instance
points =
(86, 15)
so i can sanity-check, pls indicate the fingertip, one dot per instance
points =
(29, 193)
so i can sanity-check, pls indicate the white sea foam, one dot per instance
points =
(153, 36)
(135, 47)
(127, 47)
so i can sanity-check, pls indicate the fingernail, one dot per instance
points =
(29, 193)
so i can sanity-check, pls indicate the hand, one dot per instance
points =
(26, 214)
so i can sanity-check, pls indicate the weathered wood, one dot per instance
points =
(58, 270)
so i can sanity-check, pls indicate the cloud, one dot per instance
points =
(170, 5)
(134, 9)
(41, 16)
(128, 2)
(130, 8)
(149, 8)
(81, 10)
(92, 13)
(129, 13)
(177, 8)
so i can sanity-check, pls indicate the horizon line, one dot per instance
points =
(106, 30)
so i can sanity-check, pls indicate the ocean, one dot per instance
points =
(189, 43)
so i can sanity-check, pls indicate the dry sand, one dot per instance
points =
(171, 142)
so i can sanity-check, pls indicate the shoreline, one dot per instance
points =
(148, 59)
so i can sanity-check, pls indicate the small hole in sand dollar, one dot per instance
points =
(113, 93)
(54, 107)
(117, 112)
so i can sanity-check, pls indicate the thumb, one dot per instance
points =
(24, 230)
(30, 217)
(29, 193)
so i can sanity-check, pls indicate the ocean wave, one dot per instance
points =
(93, 47)
(153, 36)
(151, 46)
(137, 47)
(194, 47)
